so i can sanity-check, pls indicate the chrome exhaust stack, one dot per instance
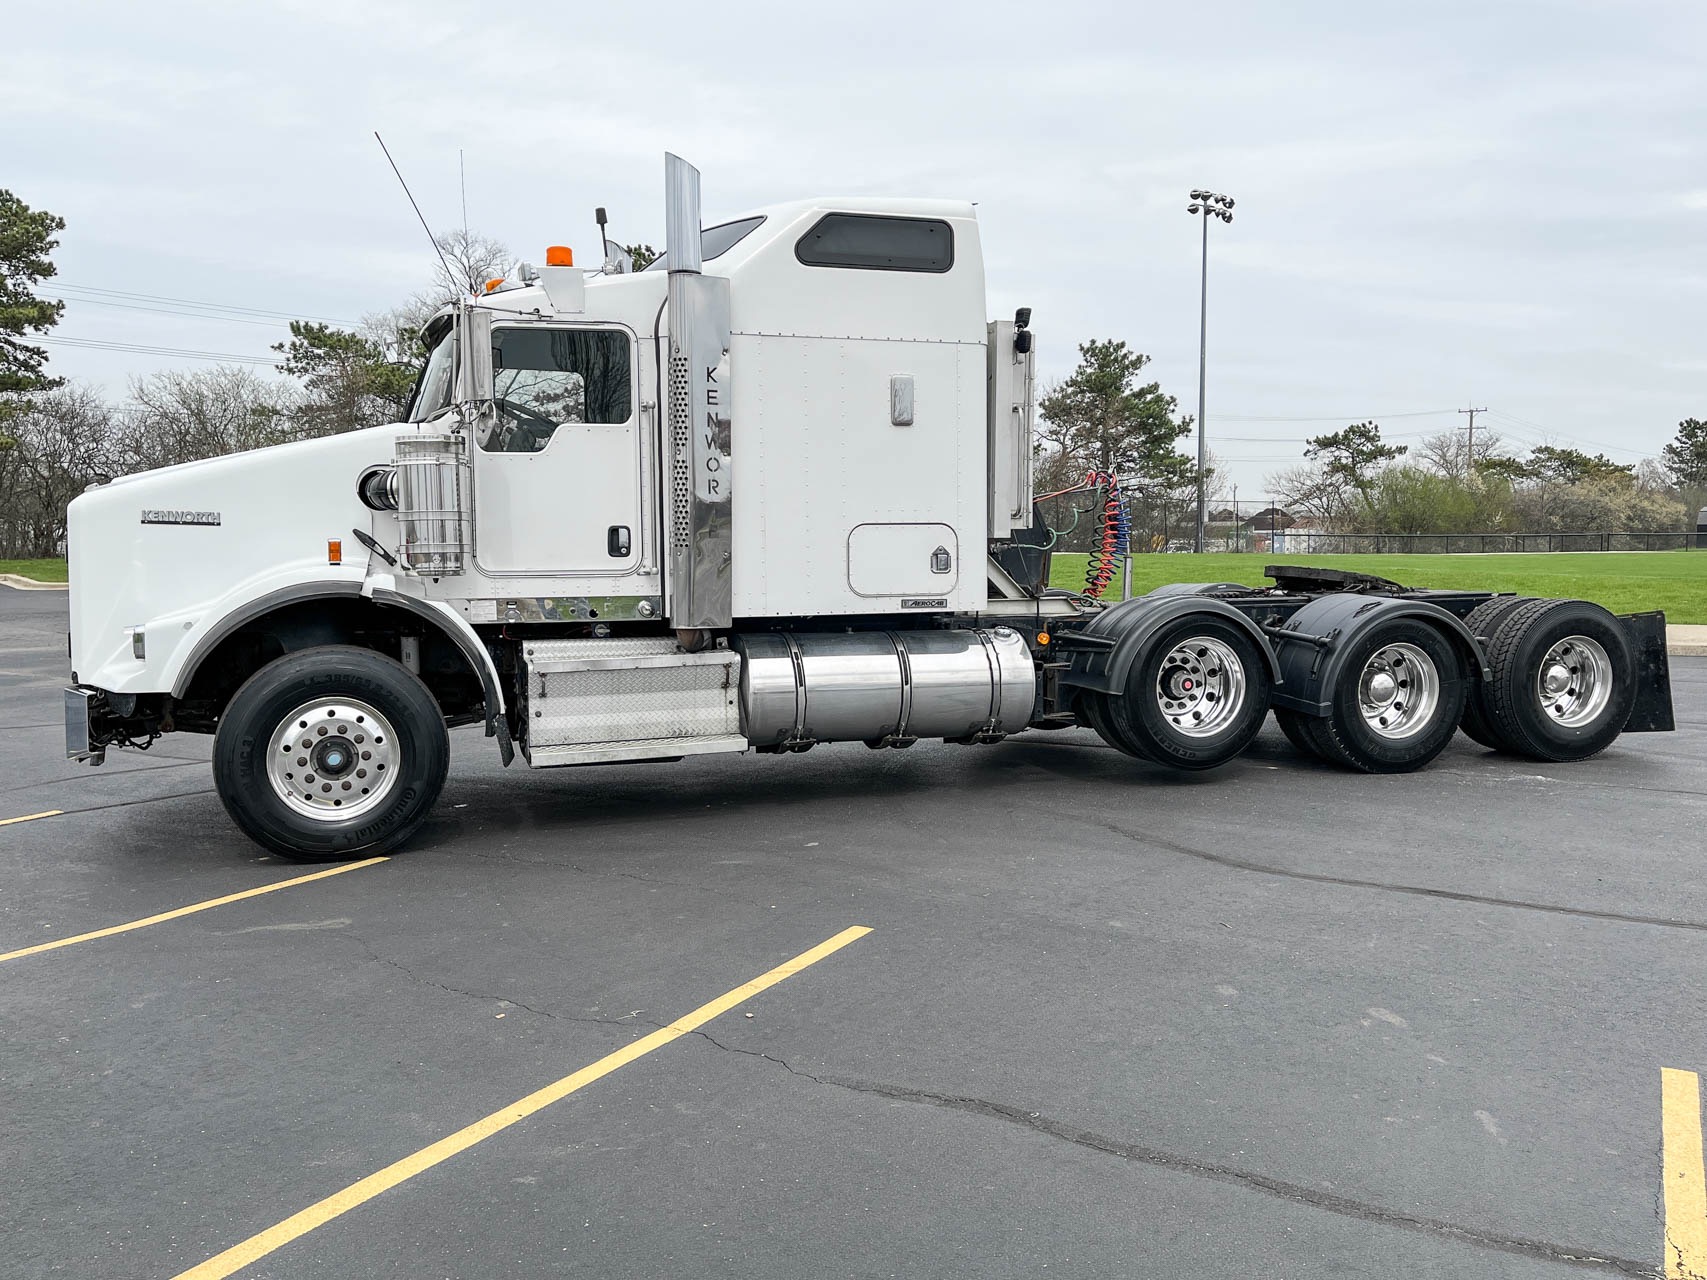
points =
(700, 529)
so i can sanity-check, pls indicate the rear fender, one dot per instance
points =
(1103, 652)
(1312, 644)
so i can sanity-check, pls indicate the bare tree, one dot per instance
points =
(1445, 452)
(52, 449)
(1308, 492)
(470, 260)
(176, 416)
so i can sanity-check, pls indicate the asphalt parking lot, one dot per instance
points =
(1109, 1020)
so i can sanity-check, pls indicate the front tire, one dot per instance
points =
(331, 753)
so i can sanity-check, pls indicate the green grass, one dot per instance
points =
(1625, 582)
(40, 570)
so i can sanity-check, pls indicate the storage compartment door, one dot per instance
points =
(887, 561)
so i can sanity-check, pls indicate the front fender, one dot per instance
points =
(457, 629)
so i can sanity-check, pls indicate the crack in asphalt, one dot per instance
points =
(508, 1001)
(1678, 1268)
(1191, 1166)
(179, 762)
(1135, 1153)
(125, 804)
(614, 875)
(1416, 890)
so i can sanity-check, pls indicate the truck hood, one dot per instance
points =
(171, 551)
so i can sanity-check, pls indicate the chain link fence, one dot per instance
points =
(1311, 542)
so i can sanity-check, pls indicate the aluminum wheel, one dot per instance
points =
(333, 759)
(1200, 686)
(1398, 691)
(1574, 681)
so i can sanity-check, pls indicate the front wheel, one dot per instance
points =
(331, 753)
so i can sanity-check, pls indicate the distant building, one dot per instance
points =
(1269, 518)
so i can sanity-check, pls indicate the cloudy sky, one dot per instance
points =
(1487, 203)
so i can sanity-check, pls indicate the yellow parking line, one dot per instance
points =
(31, 817)
(358, 1193)
(1685, 1183)
(184, 911)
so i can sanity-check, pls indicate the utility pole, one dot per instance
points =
(1470, 440)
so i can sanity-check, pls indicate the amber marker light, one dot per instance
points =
(559, 255)
(493, 284)
(1042, 637)
(334, 551)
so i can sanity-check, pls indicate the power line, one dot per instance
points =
(1338, 417)
(193, 302)
(1395, 435)
(1566, 435)
(175, 311)
(188, 353)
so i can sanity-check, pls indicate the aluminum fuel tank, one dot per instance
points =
(883, 686)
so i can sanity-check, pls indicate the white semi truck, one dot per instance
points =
(773, 491)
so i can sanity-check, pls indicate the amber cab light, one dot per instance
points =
(559, 255)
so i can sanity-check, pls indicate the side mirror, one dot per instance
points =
(474, 355)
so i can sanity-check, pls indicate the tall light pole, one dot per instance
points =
(1207, 204)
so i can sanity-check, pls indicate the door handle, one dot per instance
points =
(617, 540)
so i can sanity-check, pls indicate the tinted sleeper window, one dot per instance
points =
(878, 243)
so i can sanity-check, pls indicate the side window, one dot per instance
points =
(545, 378)
(878, 243)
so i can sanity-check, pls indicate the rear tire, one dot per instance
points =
(1397, 702)
(1484, 623)
(1093, 710)
(1564, 680)
(1296, 726)
(331, 753)
(1195, 697)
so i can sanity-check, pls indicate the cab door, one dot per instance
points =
(557, 474)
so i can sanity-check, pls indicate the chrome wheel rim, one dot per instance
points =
(1398, 691)
(1200, 686)
(333, 759)
(1574, 681)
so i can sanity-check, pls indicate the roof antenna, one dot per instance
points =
(462, 178)
(442, 260)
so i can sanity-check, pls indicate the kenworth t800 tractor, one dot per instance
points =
(772, 492)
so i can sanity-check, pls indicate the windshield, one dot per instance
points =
(433, 394)
(714, 242)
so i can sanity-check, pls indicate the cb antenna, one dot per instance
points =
(451, 275)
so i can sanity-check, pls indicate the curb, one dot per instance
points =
(1686, 641)
(20, 583)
